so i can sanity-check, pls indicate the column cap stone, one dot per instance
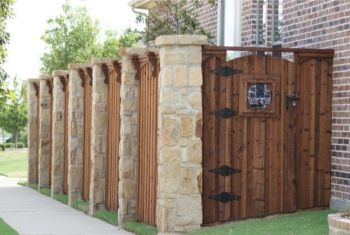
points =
(45, 77)
(60, 73)
(132, 51)
(182, 40)
(100, 60)
(78, 65)
(32, 80)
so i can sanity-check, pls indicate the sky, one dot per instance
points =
(30, 22)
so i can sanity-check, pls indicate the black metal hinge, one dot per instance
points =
(224, 170)
(224, 113)
(227, 71)
(225, 197)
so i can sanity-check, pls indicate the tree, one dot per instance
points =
(13, 118)
(113, 42)
(71, 38)
(172, 18)
(5, 14)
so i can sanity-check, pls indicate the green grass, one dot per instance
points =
(107, 216)
(6, 229)
(82, 206)
(13, 163)
(45, 191)
(299, 223)
(140, 228)
(61, 197)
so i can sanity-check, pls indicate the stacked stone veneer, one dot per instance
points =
(98, 136)
(179, 201)
(326, 24)
(58, 114)
(128, 136)
(75, 133)
(45, 131)
(33, 127)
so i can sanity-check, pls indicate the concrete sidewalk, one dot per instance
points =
(31, 213)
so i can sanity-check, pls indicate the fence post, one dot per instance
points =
(98, 135)
(33, 130)
(58, 114)
(179, 203)
(45, 131)
(75, 133)
(128, 137)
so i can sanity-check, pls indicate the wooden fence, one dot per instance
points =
(266, 134)
(113, 74)
(148, 70)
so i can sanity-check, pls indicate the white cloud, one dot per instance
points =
(29, 24)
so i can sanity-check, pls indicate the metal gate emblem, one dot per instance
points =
(259, 95)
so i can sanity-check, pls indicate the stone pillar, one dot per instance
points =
(45, 131)
(98, 135)
(33, 130)
(128, 137)
(75, 133)
(58, 114)
(179, 204)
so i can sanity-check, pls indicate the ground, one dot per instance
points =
(5, 229)
(13, 163)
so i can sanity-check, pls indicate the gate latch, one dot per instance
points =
(291, 99)
(225, 197)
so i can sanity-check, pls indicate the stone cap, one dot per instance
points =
(60, 73)
(181, 40)
(132, 51)
(32, 80)
(100, 60)
(78, 65)
(45, 77)
(142, 4)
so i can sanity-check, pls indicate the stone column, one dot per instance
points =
(179, 204)
(75, 133)
(128, 137)
(98, 134)
(58, 114)
(45, 131)
(33, 130)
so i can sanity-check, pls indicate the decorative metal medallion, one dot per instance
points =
(224, 170)
(259, 95)
(224, 113)
(225, 197)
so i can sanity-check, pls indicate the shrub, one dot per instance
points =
(9, 145)
(2, 147)
(20, 145)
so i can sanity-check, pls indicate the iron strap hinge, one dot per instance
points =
(226, 71)
(225, 197)
(225, 113)
(225, 170)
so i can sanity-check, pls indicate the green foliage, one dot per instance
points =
(5, 14)
(172, 18)
(107, 216)
(20, 145)
(140, 228)
(9, 145)
(301, 223)
(81, 206)
(13, 116)
(2, 147)
(45, 191)
(6, 229)
(71, 38)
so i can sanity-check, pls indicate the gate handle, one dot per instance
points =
(291, 99)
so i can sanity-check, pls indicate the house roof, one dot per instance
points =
(142, 4)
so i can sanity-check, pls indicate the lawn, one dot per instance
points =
(13, 163)
(299, 223)
(6, 229)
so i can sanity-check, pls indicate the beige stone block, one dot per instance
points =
(166, 219)
(172, 58)
(199, 124)
(189, 210)
(195, 100)
(186, 126)
(128, 189)
(167, 109)
(194, 153)
(195, 77)
(188, 181)
(167, 76)
(170, 157)
(170, 96)
(180, 76)
(170, 132)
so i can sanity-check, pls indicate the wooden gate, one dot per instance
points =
(87, 74)
(266, 133)
(148, 70)
(113, 74)
(65, 81)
